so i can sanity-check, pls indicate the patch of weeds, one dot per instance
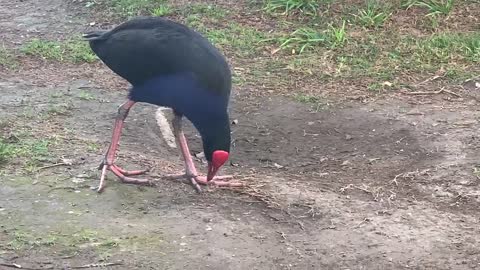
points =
(84, 95)
(318, 103)
(308, 39)
(7, 59)
(131, 8)
(447, 47)
(286, 7)
(93, 146)
(373, 15)
(78, 51)
(435, 7)
(303, 39)
(162, 10)
(62, 109)
(243, 40)
(338, 35)
(33, 151)
(6, 152)
(23, 240)
(195, 21)
(458, 75)
(210, 11)
(73, 50)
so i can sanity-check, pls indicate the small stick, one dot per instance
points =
(11, 265)
(51, 166)
(443, 90)
(95, 265)
(102, 179)
(18, 266)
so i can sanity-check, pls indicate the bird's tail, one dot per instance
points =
(94, 35)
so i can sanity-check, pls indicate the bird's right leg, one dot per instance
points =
(108, 162)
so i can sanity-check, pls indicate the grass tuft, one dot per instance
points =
(6, 152)
(308, 38)
(373, 15)
(435, 7)
(286, 7)
(73, 50)
(7, 59)
(162, 10)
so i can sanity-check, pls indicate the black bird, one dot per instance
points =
(170, 65)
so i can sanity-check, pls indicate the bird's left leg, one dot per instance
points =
(108, 162)
(191, 171)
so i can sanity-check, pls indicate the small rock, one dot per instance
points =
(278, 166)
(389, 84)
(235, 122)
(208, 228)
(77, 180)
(200, 155)
(348, 137)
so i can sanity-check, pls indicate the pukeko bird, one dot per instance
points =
(170, 65)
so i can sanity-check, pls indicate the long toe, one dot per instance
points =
(130, 173)
(130, 180)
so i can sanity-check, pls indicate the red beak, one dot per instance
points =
(212, 170)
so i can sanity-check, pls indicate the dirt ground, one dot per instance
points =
(384, 184)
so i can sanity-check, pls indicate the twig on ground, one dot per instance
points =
(18, 266)
(443, 90)
(96, 265)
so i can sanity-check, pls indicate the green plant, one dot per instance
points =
(471, 48)
(72, 50)
(131, 8)
(373, 15)
(304, 38)
(435, 7)
(162, 10)
(5, 152)
(289, 6)
(338, 35)
(7, 59)
(229, 36)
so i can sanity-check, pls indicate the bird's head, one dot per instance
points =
(217, 150)
(219, 157)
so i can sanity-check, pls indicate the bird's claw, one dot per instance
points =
(123, 175)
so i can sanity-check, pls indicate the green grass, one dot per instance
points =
(286, 7)
(32, 150)
(311, 100)
(243, 40)
(131, 8)
(84, 95)
(435, 7)
(449, 47)
(7, 58)
(6, 152)
(162, 10)
(304, 39)
(208, 11)
(373, 15)
(73, 50)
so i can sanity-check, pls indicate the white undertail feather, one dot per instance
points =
(164, 126)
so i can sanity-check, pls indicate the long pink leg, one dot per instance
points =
(191, 171)
(107, 164)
